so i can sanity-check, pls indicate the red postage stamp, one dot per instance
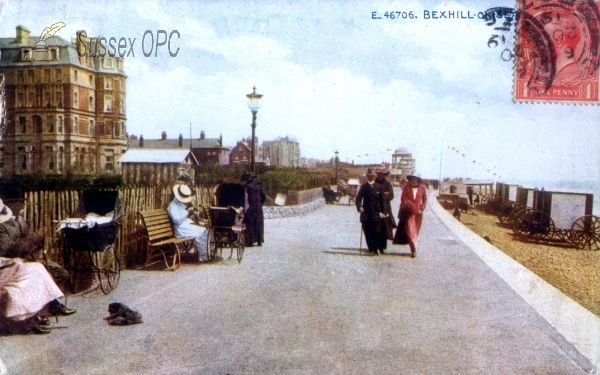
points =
(557, 48)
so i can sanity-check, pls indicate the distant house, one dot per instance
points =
(207, 151)
(241, 154)
(156, 166)
(282, 151)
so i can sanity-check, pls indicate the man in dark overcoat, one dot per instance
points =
(388, 196)
(253, 215)
(370, 203)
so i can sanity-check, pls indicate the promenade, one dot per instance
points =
(308, 302)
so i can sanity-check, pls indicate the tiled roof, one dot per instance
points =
(167, 155)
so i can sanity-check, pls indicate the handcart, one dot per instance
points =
(226, 228)
(352, 189)
(91, 237)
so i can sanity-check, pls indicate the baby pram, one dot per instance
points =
(91, 236)
(226, 228)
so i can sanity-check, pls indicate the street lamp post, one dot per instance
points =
(254, 103)
(336, 166)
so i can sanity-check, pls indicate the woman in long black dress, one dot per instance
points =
(253, 216)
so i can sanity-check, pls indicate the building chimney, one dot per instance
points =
(180, 140)
(221, 140)
(141, 140)
(163, 136)
(202, 135)
(22, 35)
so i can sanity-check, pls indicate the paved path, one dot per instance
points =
(308, 302)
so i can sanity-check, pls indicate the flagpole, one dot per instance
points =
(441, 156)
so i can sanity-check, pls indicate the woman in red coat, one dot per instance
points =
(412, 204)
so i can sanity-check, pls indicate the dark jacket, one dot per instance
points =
(370, 198)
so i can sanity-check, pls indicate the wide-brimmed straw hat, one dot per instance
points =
(5, 212)
(183, 193)
(371, 172)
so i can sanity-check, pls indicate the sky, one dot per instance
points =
(335, 79)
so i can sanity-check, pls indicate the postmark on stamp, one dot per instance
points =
(557, 51)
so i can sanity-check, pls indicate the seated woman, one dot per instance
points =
(25, 287)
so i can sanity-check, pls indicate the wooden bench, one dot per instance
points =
(161, 240)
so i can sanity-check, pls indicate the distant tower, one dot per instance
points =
(403, 164)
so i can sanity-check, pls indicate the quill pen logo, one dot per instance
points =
(40, 50)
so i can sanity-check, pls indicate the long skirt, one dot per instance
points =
(25, 288)
(409, 226)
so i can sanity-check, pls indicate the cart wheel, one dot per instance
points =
(536, 225)
(517, 214)
(211, 244)
(109, 269)
(506, 210)
(241, 246)
(585, 233)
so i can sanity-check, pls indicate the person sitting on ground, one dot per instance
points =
(180, 210)
(26, 288)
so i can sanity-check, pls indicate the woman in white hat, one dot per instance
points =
(412, 204)
(183, 225)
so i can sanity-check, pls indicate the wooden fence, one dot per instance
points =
(44, 209)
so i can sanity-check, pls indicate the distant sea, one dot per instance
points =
(575, 186)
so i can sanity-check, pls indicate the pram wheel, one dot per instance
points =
(241, 246)
(212, 244)
(108, 268)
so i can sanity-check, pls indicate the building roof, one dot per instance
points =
(174, 143)
(11, 55)
(157, 156)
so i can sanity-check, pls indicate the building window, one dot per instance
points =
(21, 99)
(54, 53)
(23, 124)
(120, 64)
(116, 130)
(76, 125)
(107, 83)
(60, 124)
(75, 76)
(46, 75)
(107, 62)
(27, 56)
(122, 107)
(75, 99)
(50, 121)
(58, 96)
(91, 80)
(1, 157)
(30, 76)
(91, 104)
(50, 157)
(58, 75)
(101, 130)
(37, 124)
(92, 128)
(60, 158)
(48, 99)
(123, 130)
(31, 99)
(20, 77)
(108, 104)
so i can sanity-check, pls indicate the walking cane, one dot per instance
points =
(360, 247)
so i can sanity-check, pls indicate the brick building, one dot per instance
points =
(64, 112)
(207, 151)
